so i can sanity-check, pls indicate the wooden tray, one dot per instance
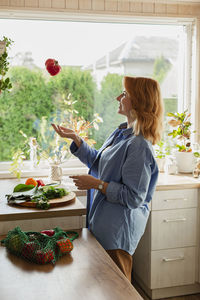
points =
(70, 198)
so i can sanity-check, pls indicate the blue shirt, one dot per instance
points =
(118, 219)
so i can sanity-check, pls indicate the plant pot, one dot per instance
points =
(161, 163)
(185, 162)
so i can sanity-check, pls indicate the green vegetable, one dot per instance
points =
(22, 196)
(51, 192)
(48, 192)
(40, 195)
(23, 187)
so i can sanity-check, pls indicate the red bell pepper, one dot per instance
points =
(29, 250)
(52, 66)
(49, 232)
(40, 182)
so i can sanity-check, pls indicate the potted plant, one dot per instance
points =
(182, 134)
(5, 83)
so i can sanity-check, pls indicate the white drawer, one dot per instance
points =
(173, 199)
(173, 228)
(172, 267)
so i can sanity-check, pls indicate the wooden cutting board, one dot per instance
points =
(66, 200)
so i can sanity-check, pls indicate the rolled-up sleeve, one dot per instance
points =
(85, 153)
(136, 177)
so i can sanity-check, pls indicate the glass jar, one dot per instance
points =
(55, 173)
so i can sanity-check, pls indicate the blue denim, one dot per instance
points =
(118, 219)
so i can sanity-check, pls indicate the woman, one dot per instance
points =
(123, 172)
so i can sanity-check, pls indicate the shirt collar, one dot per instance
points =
(126, 131)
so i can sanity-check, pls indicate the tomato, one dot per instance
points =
(52, 66)
(30, 181)
(42, 257)
(40, 182)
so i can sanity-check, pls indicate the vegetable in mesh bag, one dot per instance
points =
(39, 247)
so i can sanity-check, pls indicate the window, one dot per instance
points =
(94, 57)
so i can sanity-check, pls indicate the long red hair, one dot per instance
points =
(147, 105)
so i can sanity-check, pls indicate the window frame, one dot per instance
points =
(192, 68)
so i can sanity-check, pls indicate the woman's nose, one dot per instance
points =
(118, 98)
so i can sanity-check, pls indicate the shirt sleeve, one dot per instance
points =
(85, 153)
(136, 177)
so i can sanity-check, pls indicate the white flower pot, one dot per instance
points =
(185, 162)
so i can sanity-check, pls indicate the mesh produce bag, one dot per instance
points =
(40, 247)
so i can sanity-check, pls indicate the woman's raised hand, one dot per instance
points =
(64, 132)
(67, 133)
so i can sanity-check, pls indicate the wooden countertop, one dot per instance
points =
(9, 213)
(86, 273)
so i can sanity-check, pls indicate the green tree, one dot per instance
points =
(107, 106)
(29, 100)
(171, 105)
(161, 68)
(80, 84)
(35, 95)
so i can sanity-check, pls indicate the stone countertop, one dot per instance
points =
(9, 213)
(177, 181)
(12, 213)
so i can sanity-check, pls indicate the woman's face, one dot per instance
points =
(125, 105)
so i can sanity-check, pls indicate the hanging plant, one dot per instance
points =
(5, 83)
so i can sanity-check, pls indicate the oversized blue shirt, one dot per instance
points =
(118, 219)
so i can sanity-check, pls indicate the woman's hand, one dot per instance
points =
(67, 133)
(85, 182)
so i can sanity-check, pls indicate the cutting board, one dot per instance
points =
(66, 200)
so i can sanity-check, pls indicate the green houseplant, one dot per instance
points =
(5, 83)
(181, 124)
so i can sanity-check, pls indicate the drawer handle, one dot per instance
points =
(169, 200)
(165, 259)
(175, 220)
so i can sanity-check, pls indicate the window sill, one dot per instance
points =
(72, 166)
(43, 172)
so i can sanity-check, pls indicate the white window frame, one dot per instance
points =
(190, 93)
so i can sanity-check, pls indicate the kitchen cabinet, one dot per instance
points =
(166, 262)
